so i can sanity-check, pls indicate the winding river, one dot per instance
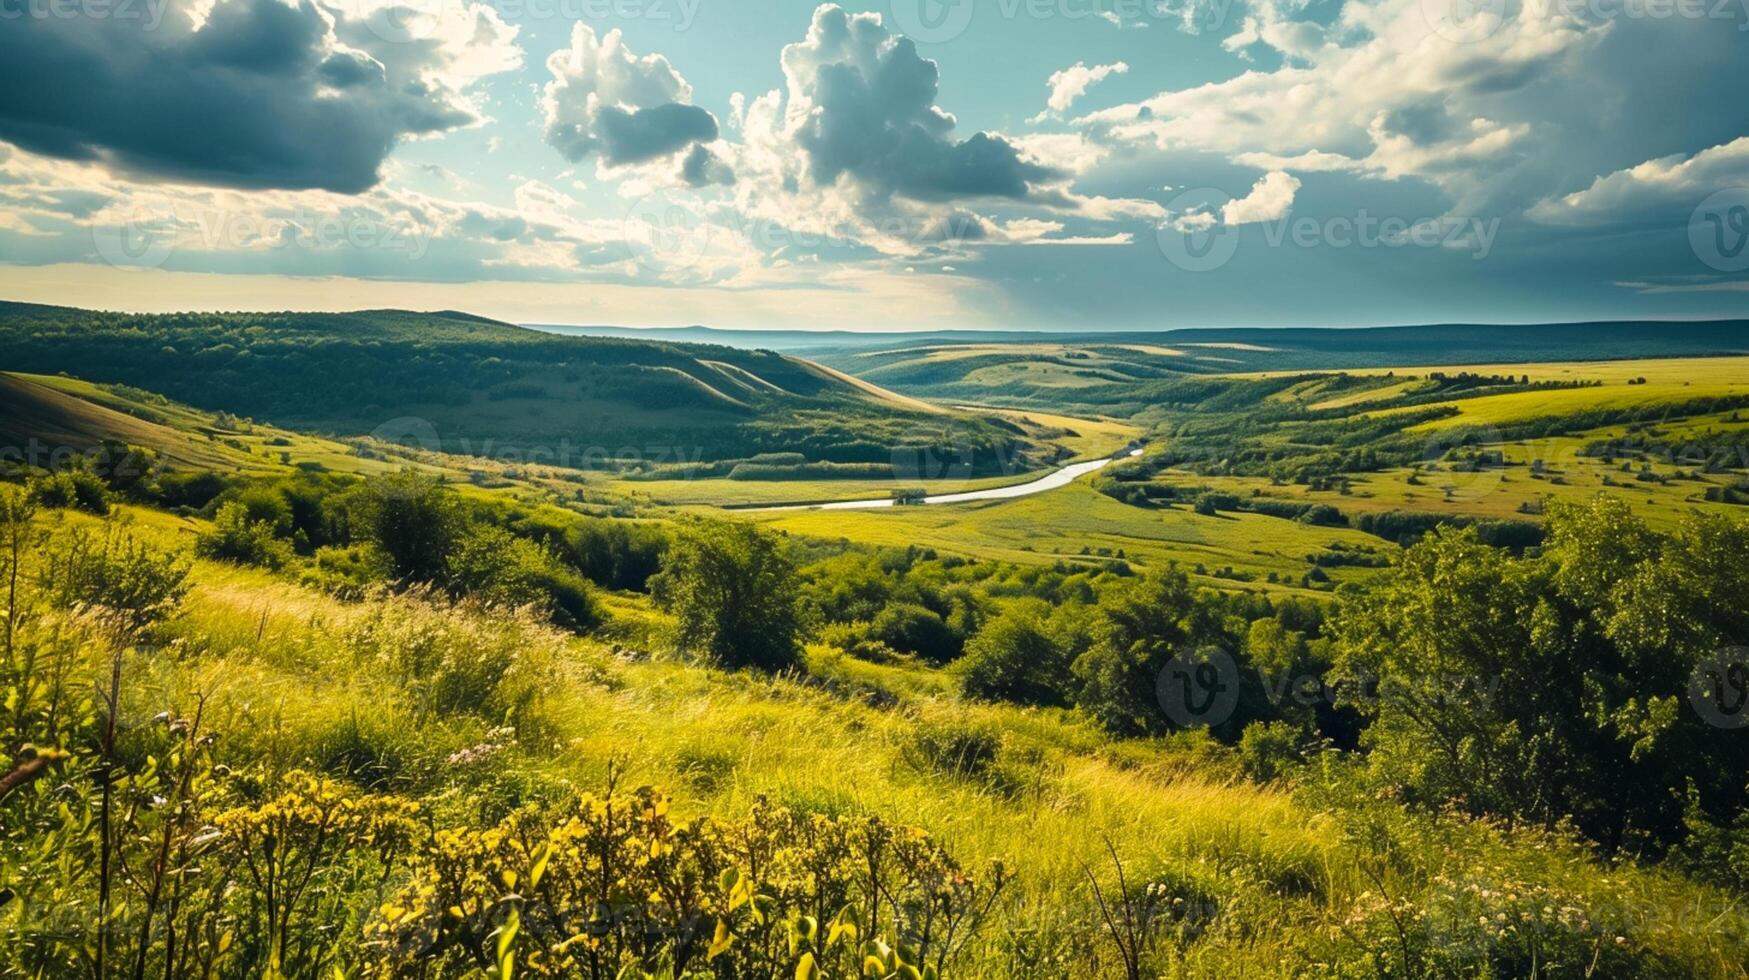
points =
(1052, 481)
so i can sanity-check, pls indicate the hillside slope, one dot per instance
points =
(1120, 373)
(473, 386)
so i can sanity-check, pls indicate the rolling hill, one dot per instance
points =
(464, 384)
(1122, 373)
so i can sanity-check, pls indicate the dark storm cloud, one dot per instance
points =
(258, 96)
(875, 119)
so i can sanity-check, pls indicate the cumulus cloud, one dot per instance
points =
(1671, 185)
(242, 93)
(1271, 198)
(1520, 110)
(1071, 83)
(630, 109)
(862, 108)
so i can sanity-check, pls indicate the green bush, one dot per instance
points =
(734, 595)
(1015, 658)
(111, 571)
(495, 566)
(236, 537)
(910, 628)
(416, 523)
(72, 489)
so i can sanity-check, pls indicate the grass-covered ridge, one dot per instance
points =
(476, 387)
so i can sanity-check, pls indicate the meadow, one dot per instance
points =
(502, 717)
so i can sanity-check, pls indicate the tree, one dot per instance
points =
(910, 628)
(496, 566)
(1141, 630)
(1555, 685)
(1015, 658)
(415, 522)
(734, 594)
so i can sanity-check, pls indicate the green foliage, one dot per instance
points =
(415, 522)
(237, 537)
(734, 596)
(110, 571)
(1141, 629)
(1016, 658)
(1555, 687)
(495, 566)
(913, 629)
(72, 489)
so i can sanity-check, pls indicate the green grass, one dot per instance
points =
(1059, 524)
(1285, 883)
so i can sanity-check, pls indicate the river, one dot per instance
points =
(1052, 481)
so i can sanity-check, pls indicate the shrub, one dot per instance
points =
(734, 596)
(72, 489)
(1015, 659)
(235, 537)
(1268, 750)
(614, 886)
(113, 572)
(495, 566)
(415, 522)
(911, 628)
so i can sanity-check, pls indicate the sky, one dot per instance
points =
(896, 165)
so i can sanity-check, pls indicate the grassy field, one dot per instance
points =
(1079, 524)
(1269, 883)
(1081, 439)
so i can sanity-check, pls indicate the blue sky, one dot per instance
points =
(1053, 164)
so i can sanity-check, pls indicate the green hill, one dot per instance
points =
(478, 387)
(1122, 374)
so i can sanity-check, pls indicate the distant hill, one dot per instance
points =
(39, 418)
(474, 386)
(1112, 372)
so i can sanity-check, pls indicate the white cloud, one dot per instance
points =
(1073, 82)
(630, 109)
(1495, 122)
(1675, 183)
(1271, 198)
